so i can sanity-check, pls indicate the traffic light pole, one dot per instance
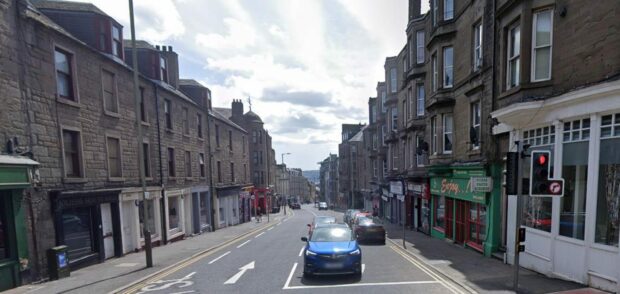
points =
(519, 213)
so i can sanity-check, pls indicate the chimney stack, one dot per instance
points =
(414, 8)
(237, 108)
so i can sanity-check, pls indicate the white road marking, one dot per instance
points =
(246, 242)
(311, 212)
(301, 251)
(270, 229)
(360, 284)
(238, 275)
(184, 292)
(259, 235)
(218, 258)
(290, 276)
(279, 223)
(363, 267)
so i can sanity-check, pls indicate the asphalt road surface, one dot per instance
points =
(270, 261)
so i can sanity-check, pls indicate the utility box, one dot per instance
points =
(58, 262)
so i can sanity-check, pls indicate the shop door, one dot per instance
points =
(462, 208)
(79, 233)
(107, 230)
(449, 224)
(8, 261)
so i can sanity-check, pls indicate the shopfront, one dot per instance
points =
(15, 176)
(174, 204)
(228, 206)
(421, 210)
(88, 222)
(201, 207)
(460, 215)
(132, 217)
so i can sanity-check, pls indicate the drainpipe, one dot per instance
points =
(162, 208)
(210, 175)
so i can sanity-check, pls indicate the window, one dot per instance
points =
(542, 41)
(447, 133)
(117, 42)
(374, 168)
(393, 82)
(405, 114)
(420, 47)
(405, 64)
(435, 73)
(608, 199)
(256, 178)
(114, 158)
(73, 153)
(448, 67)
(474, 136)
(260, 137)
(448, 9)
(188, 164)
(434, 134)
(108, 82)
(173, 213)
(150, 215)
(513, 71)
(420, 154)
(185, 121)
(199, 124)
(260, 157)
(163, 69)
(103, 35)
(374, 114)
(439, 207)
(232, 172)
(394, 118)
(255, 157)
(477, 46)
(143, 116)
(435, 10)
(64, 74)
(477, 224)
(383, 97)
(171, 163)
(230, 141)
(540, 136)
(574, 171)
(421, 97)
(409, 152)
(374, 141)
(201, 164)
(146, 159)
(254, 136)
(411, 47)
(394, 151)
(217, 135)
(410, 104)
(168, 113)
(219, 172)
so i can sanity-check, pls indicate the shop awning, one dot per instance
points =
(16, 171)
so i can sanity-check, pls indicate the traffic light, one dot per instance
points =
(512, 165)
(539, 173)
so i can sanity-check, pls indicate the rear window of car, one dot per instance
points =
(331, 235)
(325, 220)
(365, 220)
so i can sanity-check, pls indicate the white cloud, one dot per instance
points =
(240, 36)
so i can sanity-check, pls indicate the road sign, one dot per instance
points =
(252, 197)
(396, 187)
(556, 187)
(481, 184)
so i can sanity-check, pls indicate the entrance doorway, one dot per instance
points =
(461, 219)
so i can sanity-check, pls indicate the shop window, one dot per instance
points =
(477, 224)
(574, 172)
(78, 234)
(150, 216)
(439, 213)
(608, 199)
(204, 220)
(4, 234)
(540, 137)
(173, 213)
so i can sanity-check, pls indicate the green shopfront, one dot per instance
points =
(15, 176)
(468, 218)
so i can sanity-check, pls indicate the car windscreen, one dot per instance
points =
(325, 220)
(331, 235)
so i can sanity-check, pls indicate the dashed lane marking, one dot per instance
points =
(218, 258)
(259, 235)
(301, 251)
(270, 229)
(241, 245)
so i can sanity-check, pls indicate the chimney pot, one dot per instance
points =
(157, 47)
(170, 48)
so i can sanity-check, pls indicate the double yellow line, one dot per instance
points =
(188, 261)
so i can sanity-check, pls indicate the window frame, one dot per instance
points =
(79, 151)
(168, 114)
(410, 103)
(393, 80)
(435, 79)
(435, 9)
(171, 162)
(232, 172)
(420, 102)
(118, 42)
(217, 136)
(199, 132)
(448, 14)
(447, 68)
(478, 46)
(434, 149)
(420, 52)
(230, 140)
(144, 118)
(509, 59)
(120, 156)
(202, 165)
(473, 123)
(185, 122)
(444, 133)
(534, 47)
(114, 94)
(187, 161)
(163, 69)
(70, 55)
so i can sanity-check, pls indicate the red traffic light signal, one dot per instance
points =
(542, 159)
(539, 173)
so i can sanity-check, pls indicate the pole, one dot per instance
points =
(136, 93)
(403, 213)
(519, 213)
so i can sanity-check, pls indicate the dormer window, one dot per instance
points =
(163, 70)
(117, 45)
(103, 36)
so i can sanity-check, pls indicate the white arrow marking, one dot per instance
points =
(238, 275)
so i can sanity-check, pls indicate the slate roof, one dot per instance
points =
(67, 5)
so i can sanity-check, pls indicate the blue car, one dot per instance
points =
(332, 249)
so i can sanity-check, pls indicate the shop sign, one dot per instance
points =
(384, 198)
(400, 197)
(481, 184)
(418, 189)
(386, 193)
(396, 187)
(456, 188)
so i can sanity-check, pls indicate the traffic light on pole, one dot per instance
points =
(539, 173)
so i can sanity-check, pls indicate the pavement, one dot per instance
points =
(267, 258)
(110, 275)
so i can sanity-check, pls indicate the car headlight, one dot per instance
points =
(355, 252)
(310, 253)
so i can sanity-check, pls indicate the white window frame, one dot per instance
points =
(435, 10)
(444, 133)
(510, 59)
(435, 73)
(447, 67)
(534, 47)
(434, 135)
(478, 46)
(410, 102)
(420, 100)
(393, 80)
(448, 14)
(383, 98)
(475, 110)
(420, 46)
(394, 118)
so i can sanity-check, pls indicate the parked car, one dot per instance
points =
(365, 229)
(348, 215)
(275, 209)
(332, 250)
(295, 205)
(320, 220)
(322, 205)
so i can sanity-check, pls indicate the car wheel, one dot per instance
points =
(383, 241)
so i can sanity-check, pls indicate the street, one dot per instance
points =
(271, 261)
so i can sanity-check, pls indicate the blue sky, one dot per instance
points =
(308, 65)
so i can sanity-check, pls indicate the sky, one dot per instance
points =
(308, 66)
